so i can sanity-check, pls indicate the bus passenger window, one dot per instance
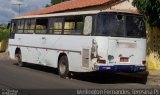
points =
(32, 26)
(69, 27)
(12, 28)
(41, 26)
(57, 27)
(50, 26)
(20, 25)
(73, 25)
(29, 26)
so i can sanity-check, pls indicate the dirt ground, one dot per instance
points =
(154, 78)
(4, 56)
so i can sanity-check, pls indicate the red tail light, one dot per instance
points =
(124, 59)
(101, 61)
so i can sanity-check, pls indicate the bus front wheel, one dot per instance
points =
(63, 67)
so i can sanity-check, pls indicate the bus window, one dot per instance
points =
(32, 26)
(88, 25)
(135, 26)
(73, 25)
(29, 26)
(41, 26)
(20, 25)
(121, 25)
(56, 26)
(111, 25)
(50, 26)
(12, 29)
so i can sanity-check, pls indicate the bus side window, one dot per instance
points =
(41, 25)
(29, 26)
(88, 25)
(20, 26)
(50, 25)
(12, 29)
(73, 25)
(56, 26)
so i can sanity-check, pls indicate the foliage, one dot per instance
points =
(151, 10)
(4, 33)
(53, 2)
(47, 5)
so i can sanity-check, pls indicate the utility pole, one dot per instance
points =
(19, 7)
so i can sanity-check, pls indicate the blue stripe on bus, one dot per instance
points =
(123, 68)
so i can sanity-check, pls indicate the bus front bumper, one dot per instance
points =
(133, 68)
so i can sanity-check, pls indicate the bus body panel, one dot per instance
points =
(46, 51)
(35, 50)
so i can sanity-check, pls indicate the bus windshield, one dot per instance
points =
(120, 25)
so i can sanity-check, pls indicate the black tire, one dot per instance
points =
(63, 67)
(144, 77)
(141, 77)
(18, 58)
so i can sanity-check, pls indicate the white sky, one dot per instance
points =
(8, 10)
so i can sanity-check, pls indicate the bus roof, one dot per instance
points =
(76, 13)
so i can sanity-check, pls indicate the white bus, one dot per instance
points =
(80, 41)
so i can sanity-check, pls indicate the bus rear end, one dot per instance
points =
(127, 54)
(121, 42)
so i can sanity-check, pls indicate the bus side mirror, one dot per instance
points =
(8, 26)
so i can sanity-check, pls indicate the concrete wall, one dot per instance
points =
(121, 5)
(124, 5)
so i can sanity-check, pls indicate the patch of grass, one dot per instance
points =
(4, 33)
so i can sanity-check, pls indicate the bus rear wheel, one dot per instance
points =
(63, 67)
(18, 58)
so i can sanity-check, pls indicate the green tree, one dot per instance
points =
(151, 11)
(4, 32)
(4, 35)
(53, 2)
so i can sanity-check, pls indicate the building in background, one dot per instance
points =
(87, 5)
